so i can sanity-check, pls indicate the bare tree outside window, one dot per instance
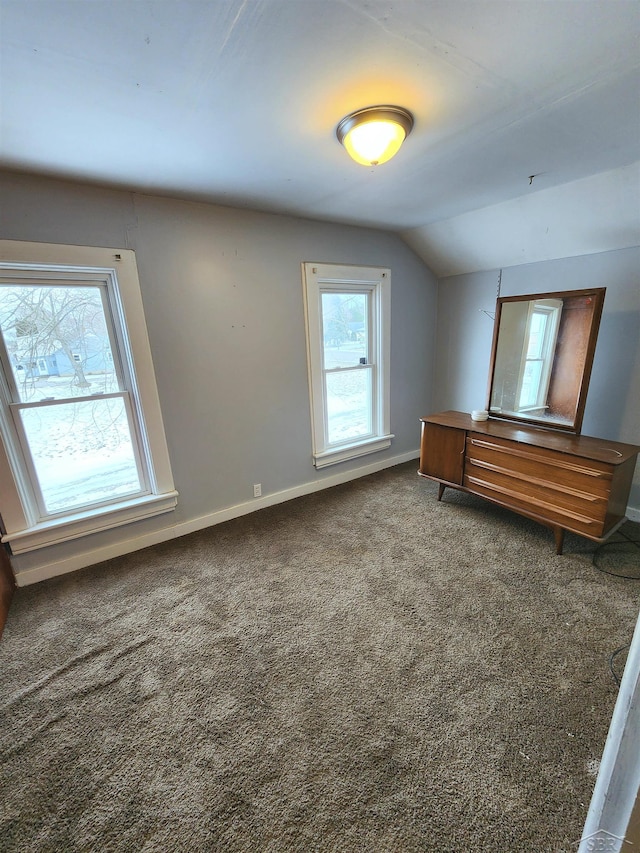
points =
(64, 327)
(69, 405)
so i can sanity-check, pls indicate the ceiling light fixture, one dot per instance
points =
(374, 135)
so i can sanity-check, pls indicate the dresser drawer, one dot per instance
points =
(563, 489)
(586, 475)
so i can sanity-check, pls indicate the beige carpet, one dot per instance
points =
(363, 669)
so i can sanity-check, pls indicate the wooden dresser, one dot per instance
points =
(567, 482)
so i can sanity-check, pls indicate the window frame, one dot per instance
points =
(24, 530)
(376, 283)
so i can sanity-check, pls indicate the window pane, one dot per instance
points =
(531, 383)
(536, 335)
(57, 341)
(348, 404)
(82, 452)
(344, 329)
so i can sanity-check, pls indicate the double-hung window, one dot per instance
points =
(83, 446)
(347, 319)
(537, 363)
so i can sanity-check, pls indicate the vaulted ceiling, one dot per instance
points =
(236, 101)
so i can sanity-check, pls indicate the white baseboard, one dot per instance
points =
(127, 546)
(633, 514)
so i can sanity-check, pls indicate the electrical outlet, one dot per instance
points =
(257, 490)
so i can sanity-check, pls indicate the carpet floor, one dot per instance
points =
(362, 670)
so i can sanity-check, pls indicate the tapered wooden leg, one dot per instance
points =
(558, 533)
(441, 488)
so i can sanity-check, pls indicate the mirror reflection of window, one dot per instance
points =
(539, 348)
(543, 349)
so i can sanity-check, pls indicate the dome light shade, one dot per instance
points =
(374, 135)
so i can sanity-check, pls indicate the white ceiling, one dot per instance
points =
(236, 101)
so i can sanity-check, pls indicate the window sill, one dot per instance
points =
(79, 524)
(351, 451)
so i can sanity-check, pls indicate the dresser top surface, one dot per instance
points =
(602, 449)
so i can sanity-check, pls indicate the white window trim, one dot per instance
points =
(316, 279)
(23, 532)
(76, 525)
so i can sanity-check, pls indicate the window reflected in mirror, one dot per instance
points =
(542, 355)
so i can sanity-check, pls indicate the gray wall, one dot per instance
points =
(222, 293)
(465, 332)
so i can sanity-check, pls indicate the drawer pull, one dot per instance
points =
(567, 490)
(558, 463)
(583, 519)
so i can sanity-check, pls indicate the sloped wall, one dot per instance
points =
(589, 216)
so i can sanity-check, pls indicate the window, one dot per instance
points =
(80, 423)
(347, 318)
(540, 341)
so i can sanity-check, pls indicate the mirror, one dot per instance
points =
(543, 347)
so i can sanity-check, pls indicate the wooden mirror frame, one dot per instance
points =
(573, 353)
